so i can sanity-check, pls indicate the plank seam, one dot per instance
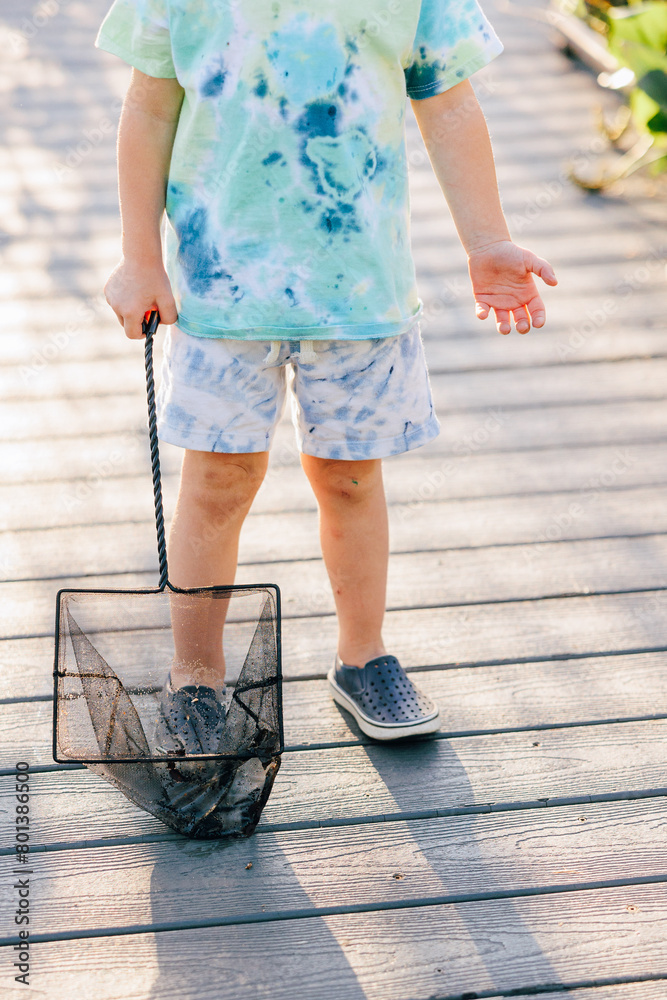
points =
(450, 734)
(461, 604)
(555, 802)
(564, 596)
(471, 410)
(555, 988)
(653, 483)
(462, 665)
(145, 522)
(555, 404)
(308, 913)
(659, 439)
(573, 363)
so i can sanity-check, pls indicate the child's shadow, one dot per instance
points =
(286, 958)
(462, 946)
(471, 943)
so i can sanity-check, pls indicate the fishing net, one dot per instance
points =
(201, 756)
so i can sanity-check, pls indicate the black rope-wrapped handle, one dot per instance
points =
(150, 325)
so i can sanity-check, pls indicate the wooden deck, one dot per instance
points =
(522, 852)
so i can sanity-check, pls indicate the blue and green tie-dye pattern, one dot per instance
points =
(288, 195)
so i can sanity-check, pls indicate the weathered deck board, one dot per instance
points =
(354, 783)
(27, 662)
(444, 951)
(416, 579)
(650, 990)
(467, 350)
(598, 275)
(447, 314)
(556, 383)
(508, 95)
(98, 196)
(584, 426)
(484, 633)
(69, 243)
(487, 428)
(375, 864)
(627, 248)
(424, 475)
(71, 238)
(440, 523)
(522, 695)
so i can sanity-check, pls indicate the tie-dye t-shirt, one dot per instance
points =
(287, 198)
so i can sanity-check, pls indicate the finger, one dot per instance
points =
(521, 319)
(538, 313)
(481, 310)
(167, 309)
(503, 324)
(133, 325)
(543, 269)
(119, 316)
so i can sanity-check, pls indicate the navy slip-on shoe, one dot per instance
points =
(383, 699)
(191, 719)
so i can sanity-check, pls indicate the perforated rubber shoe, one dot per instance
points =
(190, 721)
(383, 699)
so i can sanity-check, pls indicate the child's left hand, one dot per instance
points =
(502, 280)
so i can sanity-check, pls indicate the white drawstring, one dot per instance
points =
(307, 352)
(274, 351)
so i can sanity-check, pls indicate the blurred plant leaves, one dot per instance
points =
(637, 36)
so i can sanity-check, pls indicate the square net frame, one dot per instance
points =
(113, 652)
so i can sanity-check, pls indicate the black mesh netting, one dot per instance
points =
(202, 759)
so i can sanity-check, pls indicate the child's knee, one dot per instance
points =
(338, 480)
(224, 485)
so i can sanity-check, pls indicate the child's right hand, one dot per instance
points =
(134, 289)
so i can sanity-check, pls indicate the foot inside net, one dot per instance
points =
(110, 725)
(191, 719)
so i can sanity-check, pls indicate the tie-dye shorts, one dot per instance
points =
(351, 399)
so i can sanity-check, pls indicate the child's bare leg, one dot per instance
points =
(215, 494)
(355, 545)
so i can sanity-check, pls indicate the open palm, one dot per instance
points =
(502, 280)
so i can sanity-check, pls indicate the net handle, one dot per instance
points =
(149, 326)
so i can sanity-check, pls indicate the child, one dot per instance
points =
(273, 133)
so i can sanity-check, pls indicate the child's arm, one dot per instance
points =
(455, 134)
(145, 137)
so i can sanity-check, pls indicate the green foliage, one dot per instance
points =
(637, 35)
